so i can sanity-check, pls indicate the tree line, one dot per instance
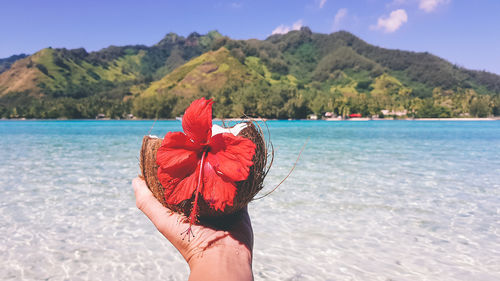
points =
(276, 101)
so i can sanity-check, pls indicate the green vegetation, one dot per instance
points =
(285, 76)
(7, 62)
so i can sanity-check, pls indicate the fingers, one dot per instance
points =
(166, 221)
(146, 202)
(142, 192)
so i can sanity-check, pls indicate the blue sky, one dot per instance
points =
(464, 32)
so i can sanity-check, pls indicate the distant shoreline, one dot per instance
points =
(417, 119)
(264, 119)
(443, 119)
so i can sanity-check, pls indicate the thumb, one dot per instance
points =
(166, 221)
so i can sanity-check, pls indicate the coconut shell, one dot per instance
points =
(245, 190)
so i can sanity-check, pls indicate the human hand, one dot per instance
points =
(221, 249)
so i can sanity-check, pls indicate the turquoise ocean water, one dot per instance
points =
(376, 200)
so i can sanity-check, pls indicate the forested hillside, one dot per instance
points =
(7, 62)
(285, 76)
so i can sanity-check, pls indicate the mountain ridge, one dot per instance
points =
(298, 73)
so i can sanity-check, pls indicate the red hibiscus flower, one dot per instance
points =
(195, 162)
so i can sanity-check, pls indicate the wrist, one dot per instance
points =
(222, 262)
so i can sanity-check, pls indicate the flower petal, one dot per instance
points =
(176, 189)
(218, 191)
(231, 155)
(197, 120)
(177, 155)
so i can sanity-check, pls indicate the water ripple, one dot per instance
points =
(367, 201)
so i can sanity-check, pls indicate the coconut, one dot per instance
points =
(245, 190)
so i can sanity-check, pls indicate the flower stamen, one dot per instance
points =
(194, 211)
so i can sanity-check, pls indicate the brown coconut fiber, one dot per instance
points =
(246, 190)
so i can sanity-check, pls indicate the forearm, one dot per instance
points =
(222, 262)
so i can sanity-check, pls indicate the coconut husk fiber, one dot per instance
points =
(246, 190)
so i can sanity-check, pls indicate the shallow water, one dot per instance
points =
(384, 200)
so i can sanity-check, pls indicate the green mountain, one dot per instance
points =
(206, 75)
(285, 76)
(7, 62)
(55, 83)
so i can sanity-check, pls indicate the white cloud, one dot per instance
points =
(431, 5)
(322, 3)
(398, 2)
(282, 29)
(393, 22)
(339, 16)
(297, 25)
(236, 5)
